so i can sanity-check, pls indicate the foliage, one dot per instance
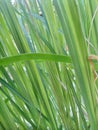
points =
(47, 81)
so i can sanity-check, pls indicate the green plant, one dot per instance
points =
(46, 79)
